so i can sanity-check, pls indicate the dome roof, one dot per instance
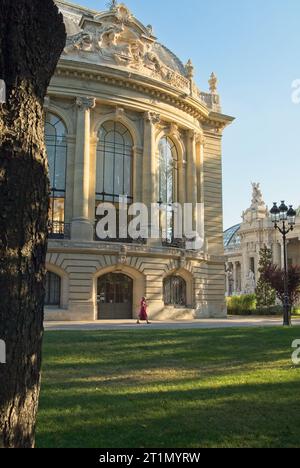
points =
(115, 38)
(231, 236)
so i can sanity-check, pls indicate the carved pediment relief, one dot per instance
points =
(116, 38)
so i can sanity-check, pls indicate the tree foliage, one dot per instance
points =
(265, 293)
(275, 276)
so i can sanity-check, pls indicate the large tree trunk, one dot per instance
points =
(32, 37)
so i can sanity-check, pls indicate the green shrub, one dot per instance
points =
(242, 305)
(247, 305)
(274, 310)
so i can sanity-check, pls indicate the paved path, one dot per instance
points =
(230, 322)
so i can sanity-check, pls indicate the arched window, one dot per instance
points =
(114, 163)
(175, 291)
(168, 179)
(114, 167)
(56, 143)
(53, 288)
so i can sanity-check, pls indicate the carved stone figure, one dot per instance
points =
(250, 283)
(81, 42)
(258, 209)
(257, 197)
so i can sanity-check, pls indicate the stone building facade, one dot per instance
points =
(244, 241)
(118, 105)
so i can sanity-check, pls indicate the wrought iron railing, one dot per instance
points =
(174, 243)
(59, 230)
(120, 240)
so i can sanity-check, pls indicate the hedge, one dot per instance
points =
(246, 305)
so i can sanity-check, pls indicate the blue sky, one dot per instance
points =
(254, 48)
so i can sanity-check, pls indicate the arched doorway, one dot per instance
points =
(114, 297)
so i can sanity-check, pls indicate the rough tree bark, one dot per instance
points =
(32, 37)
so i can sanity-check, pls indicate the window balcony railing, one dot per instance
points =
(59, 230)
(119, 240)
(174, 243)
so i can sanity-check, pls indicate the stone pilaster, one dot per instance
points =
(82, 228)
(234, 277)
(137, 174)
(71, 143)
(192, 174)
(150, 188)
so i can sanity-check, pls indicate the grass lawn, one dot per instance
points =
(156, 389)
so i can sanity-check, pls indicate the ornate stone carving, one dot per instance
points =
(250, 283)
(85, 103)
(172, 130)
(152, 117)
(122, 13)
(120, 113)
(200, 138)
(257, 197)
(195, 135)
(189, 69)
(213, 84)
(258, 209)
(117, 38)
(122, 257)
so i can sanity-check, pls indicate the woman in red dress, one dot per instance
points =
(143, 311)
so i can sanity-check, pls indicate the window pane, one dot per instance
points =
(119, 174)
(52, 297)
(56, 145)
(99, 172)
(175, 291)
(167, 168)
(115, 147)
(109, 174)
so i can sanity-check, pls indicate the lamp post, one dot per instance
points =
(284, 220)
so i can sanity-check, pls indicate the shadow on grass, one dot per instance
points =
(170, 389)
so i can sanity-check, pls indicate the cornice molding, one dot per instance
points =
(156, 90)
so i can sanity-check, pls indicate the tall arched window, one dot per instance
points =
(168, 178)
(53, 288)
(56, 143)
(114, 166)
(114, 163)
(175, 291)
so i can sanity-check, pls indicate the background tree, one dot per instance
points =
(265, 294)
(32, 37)
(275, 276)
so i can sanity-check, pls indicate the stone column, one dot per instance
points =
(245, 267)
(82, 228)
(234, 278)
(192, 174)
(71, 142)
(182, 198)
(227, 278)
(150, 188)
